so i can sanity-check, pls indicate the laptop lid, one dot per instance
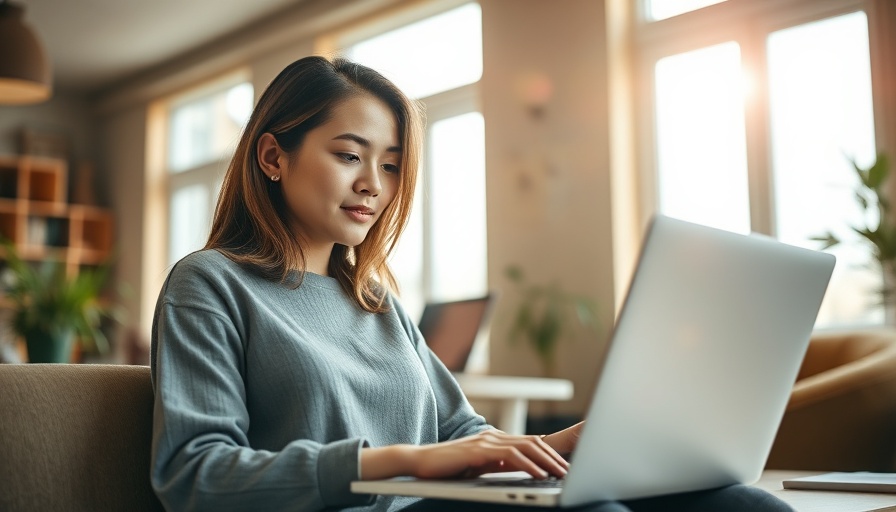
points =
(702, 360)
(697, 374)
(452, 329)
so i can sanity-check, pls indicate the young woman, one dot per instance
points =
(282, 365)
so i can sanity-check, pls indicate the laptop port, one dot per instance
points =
(530, 497)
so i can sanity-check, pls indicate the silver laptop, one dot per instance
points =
(695, 379)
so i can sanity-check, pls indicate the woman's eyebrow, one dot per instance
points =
(364, 142)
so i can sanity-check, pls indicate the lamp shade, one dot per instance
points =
(25, 75)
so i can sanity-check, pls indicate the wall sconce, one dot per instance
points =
(25, 75)
(534, 90)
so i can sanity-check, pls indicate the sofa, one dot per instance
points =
(75, 437)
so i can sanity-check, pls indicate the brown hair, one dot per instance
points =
(250, 225)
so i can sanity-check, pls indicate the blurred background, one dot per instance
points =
(554, 130)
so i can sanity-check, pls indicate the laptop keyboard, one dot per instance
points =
(548, 483)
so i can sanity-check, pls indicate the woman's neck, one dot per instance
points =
(317, 260)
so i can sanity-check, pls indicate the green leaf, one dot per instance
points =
(514, 273)
(877, 173)
(828, 240)
(862, 174)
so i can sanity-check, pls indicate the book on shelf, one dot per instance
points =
(37, 230)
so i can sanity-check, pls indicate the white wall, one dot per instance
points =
(123, 138)
(548, 180)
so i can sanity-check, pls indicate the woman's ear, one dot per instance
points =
(269, 154)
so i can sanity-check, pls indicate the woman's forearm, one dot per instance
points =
(387, 462)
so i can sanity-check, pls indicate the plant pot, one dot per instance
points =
(49, 347)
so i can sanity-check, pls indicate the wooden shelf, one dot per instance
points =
(36, 217)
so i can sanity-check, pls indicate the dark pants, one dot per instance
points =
(735, 498)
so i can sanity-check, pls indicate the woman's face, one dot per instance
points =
(342, 177)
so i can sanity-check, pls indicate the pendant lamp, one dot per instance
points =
(25, 75)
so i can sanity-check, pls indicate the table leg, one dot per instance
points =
(512, 415)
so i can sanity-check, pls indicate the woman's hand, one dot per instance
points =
(566, 440)
(488, 452)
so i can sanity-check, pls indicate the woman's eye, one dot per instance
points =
(390, 168)
(348, 157)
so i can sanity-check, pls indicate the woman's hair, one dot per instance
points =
(250, 224)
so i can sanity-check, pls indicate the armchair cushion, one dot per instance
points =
(75, 437)
(842, 411)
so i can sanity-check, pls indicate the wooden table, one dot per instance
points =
(823, 501)
(512, 395)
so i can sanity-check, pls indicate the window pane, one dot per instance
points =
(206, 129)
(662, 9)
(188, 221)
(434, 55)
(821, 112)
(701, 144)
(457, 206)
(406, 260)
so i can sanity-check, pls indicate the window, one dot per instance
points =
(821, 112)
(662, 9)
(701, 150)
(755, 111)
(203, 129)
(438, 60)
(433, 55)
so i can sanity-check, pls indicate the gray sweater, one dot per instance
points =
(265, 395)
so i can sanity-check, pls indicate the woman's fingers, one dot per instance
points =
(489, 452)
(553, 453)
(533, 449)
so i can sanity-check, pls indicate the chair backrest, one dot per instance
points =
(842, 412)
(75, 437)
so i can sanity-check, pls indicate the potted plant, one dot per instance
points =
(878, 228)
(545, 315)
(50, 308)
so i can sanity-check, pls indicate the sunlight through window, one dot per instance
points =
(821, 113)
(434, 55)
(701, 144)
(458, 228)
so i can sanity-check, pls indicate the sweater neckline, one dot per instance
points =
(319, 281)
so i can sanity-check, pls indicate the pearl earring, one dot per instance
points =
(275, 177)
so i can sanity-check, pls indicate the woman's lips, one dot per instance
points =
(359, 213)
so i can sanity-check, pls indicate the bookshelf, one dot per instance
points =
(36, 216)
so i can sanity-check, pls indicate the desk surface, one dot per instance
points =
(512, 395)
(823, 501)
(503, 387)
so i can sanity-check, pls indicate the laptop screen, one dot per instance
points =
(452, 328)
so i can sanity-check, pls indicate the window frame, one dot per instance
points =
(441, 106)
(748, 23)
(210, 173)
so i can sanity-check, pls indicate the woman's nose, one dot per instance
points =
(369, 182)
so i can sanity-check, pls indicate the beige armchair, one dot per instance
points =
(842, 412)
(75, 437)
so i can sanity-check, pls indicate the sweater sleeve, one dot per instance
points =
(456, 416)
(201, 454)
